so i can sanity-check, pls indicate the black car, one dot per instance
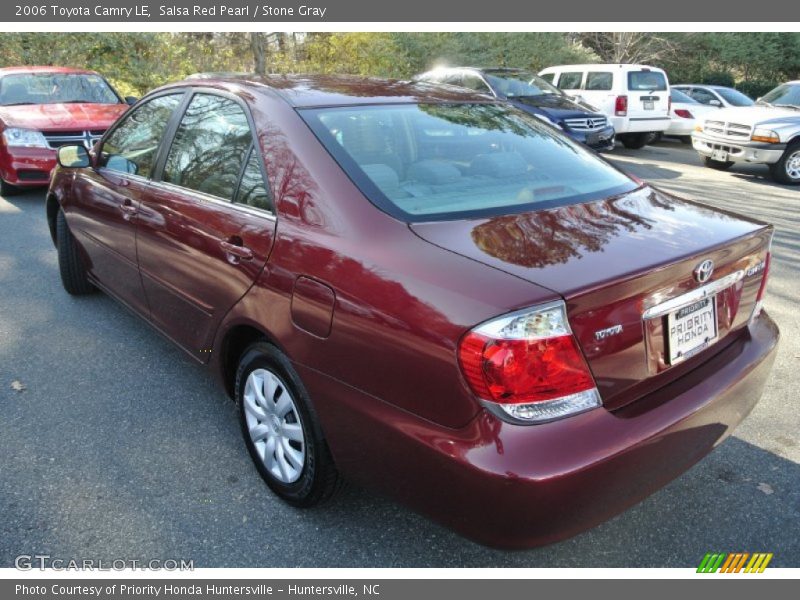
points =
(529, 92)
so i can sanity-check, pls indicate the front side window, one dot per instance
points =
(210, 147)
(570, 81)
(474, 82)
(55, 88)
(520, 84)
(703, 96)
(443, 161)
(132, 145)
(735, 97)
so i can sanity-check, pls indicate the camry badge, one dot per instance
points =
(703, 271)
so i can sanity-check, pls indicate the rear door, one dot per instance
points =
(106, 198)
(207, 226)
(648, 96)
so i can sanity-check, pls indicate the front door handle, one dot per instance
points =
(128, 209)
(235, 248)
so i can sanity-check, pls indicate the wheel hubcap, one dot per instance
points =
(274, 425)
(793, 165)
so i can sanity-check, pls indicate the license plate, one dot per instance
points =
(593, 138)
(720, 155)
(691, 328)
(649, 104)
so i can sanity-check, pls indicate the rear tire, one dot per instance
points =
(281, 429)
(634, 141)
(717, 164)
(70, 261)
(787, 169)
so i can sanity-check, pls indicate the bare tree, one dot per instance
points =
(629, 46)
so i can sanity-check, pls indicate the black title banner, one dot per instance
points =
(338, 11)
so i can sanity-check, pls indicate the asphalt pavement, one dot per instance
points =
(113, 445)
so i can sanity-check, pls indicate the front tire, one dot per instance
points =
(635, 141)
(281, 429)
(717, 164)
(70, 261)
(6, 189)
(787, 169)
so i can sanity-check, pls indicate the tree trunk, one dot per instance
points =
(258, 43)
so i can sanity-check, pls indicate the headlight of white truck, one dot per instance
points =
(24, 138)
(765, 135)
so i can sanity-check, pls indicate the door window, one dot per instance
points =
(599, 81)
(210, 147)
(570, 81)
(474, 82)
(252, 190)
(702, 96)
(132, 146)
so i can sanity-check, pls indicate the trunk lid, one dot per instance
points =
(612, 260)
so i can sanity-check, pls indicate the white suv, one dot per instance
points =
(634, 97)
(767, 133)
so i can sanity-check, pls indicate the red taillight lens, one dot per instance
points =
(621, 106)
(682, 112)
(529, 365)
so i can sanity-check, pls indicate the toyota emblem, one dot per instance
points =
(703, 271)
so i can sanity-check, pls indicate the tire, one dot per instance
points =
(281, 429)
(6, 189)
(717, 164)
(70, 261)
(634, 141)
(787, 169)
(686, 139)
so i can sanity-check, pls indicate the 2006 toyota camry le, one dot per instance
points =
(425, 291)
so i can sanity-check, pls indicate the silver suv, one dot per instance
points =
(766, 133)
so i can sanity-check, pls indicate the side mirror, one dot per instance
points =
(131, 100)
(73, 157)
(758, 99)
(716, 103)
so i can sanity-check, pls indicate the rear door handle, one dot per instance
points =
(237, 249)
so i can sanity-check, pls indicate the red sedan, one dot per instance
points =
(425, 291)
(43, 108)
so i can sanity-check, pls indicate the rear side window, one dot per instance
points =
(570, 81)
(132, 146)
(252, 190)
(599, 81)
(647, 81)
(210, 147)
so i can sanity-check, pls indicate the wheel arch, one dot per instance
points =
(52, 205)
(234, 341)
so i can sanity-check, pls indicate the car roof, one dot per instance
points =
(594, 66)
(305, 91)
(44, 69)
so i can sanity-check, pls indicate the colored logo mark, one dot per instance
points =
(735, 562)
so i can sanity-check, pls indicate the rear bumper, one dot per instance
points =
(520, 486)
(738, 152)
(27, 167)
(639, 124)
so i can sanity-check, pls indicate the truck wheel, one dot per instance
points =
(634, 141)
(717, 164)
(787, 169)
(70, 261)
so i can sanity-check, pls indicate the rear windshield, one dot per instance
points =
(425, 162)
(651, 81)
(735, 97)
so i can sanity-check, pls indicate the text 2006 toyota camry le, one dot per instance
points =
(426, 292)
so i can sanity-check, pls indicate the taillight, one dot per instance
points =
(762, 288)
(682, 112)
(527, 366)
(621, 106)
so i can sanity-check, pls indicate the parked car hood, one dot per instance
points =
(61, 117)
(758, 115)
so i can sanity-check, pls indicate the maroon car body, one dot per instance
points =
(56, 121)
(370, 310)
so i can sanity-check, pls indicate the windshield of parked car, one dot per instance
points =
(678, 96)
(784, 95)
(443, 161)
(735, 97)
(54, 88)
(519, 84)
